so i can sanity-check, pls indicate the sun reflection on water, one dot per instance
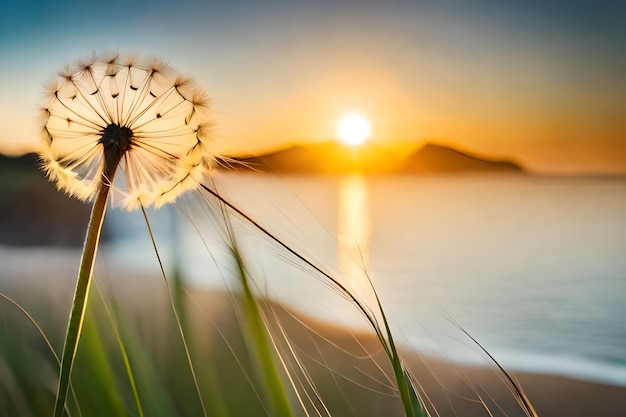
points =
(354, 229)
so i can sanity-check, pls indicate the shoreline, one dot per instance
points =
(447, 383)
(65, 261)
(550, 393)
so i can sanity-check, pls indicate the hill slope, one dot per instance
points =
(442, 159)
(332, 158)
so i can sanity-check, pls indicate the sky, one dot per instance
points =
(540, 82)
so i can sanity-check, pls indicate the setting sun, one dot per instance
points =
(353, 129)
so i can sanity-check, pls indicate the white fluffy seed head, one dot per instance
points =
(166, 113)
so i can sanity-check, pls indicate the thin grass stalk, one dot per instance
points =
(342, 288)
(410, 398)
(98, 369)
(34, 323)
(179, 325)
(258, 336)
(514, 386)
(178, 286)
(270, 375)
(178, 297)
(45, 338)
(125, 356)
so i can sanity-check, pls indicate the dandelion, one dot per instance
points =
(109, 112)
(126, 129)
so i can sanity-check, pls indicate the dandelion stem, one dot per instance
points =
(100, 111)
(81, 293)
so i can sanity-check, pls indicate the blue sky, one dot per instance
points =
(540, 81)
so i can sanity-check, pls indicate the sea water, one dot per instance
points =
(534, 268)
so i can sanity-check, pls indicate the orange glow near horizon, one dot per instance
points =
(542, 135)
(453, 76)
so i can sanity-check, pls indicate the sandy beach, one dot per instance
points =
(346, 363)
(454, 390)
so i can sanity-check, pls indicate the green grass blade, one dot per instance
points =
(514, 386)
(43, 335)
(34, 323)
(269, 373)
(124, 353)
(410, 399)
(179, 324)
(96, 372)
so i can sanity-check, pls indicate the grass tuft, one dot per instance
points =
(410, 397)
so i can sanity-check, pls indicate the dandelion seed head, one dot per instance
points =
(44, 116)
(136, 118)
(157, 66)
(67, 72)
(51, 89)
(110, 57)
(86, 64)
(111, 60)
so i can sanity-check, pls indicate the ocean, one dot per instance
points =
(534, 268)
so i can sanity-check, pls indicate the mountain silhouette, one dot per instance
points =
(334, 158)
(432, 158)
(32, 212)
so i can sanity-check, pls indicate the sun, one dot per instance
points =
(353, 129)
